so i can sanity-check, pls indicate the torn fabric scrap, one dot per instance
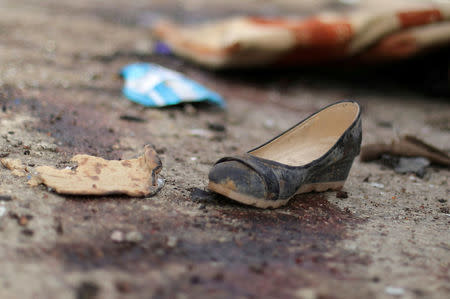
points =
(97, 176)
(152, 85)
(261, 41)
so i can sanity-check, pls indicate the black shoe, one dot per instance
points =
(314, 155)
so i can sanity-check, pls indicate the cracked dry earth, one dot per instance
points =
(60, 96)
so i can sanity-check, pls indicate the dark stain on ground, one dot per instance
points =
(77, 129)
(270, 246)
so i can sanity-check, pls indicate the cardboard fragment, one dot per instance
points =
(405, 146)
(97, 176)
(15, 165)
(34, 181)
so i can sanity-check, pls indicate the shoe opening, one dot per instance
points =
(312, 138)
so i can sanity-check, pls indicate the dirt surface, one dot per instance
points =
(60, 95)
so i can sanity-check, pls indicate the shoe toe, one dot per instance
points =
(237, 177)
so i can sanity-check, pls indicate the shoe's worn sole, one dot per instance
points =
(264, 203)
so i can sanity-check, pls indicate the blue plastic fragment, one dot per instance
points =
(162, 48)
(152, 85)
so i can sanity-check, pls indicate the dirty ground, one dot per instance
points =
(386, 236)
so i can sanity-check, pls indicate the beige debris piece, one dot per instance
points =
(15, 165)
(406, 146)
(97, 176)
(34, 181)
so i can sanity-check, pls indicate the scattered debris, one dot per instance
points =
(377, 185)
(87, 290)
(134, 237)
(15, 165)
(132, 118)
(394, 291)
(416, 165)
(97, 176)
(405, 146)
(152, 85)
(341, 194)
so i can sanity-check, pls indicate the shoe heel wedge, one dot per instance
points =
(332, 178)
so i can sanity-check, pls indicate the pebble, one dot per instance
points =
(23, 220)
(134, 237)
(47, 147)
(341, 194)
(200, 133)
(117, 236)
(216, 127)
(412, 178)
(394, 291)
(200, 195)
(2, 211)
(415, 165)
(172, 241)
(377, 185)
